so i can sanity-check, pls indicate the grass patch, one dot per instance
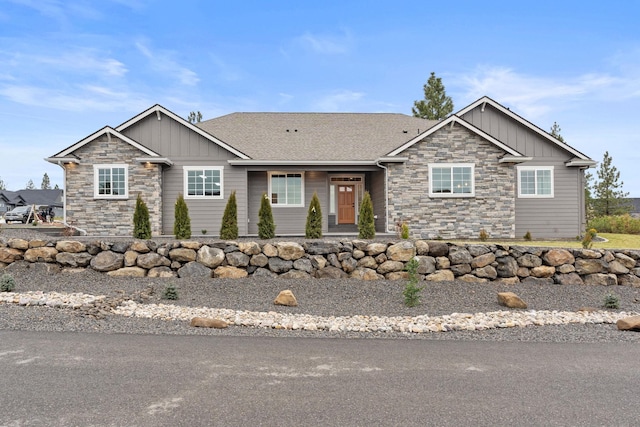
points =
(614, 241)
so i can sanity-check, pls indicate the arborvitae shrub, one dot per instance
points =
(313, 229)
(527, 236)
(7, 283)
(182, 224)
(366, 224)
(411, 291)
(229, 227)
(141, 223)
(266, 226)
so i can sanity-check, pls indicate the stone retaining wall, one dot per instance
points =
(360, 259)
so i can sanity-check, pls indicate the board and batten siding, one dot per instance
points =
(288, 220)
(563, 215)
(184, 147)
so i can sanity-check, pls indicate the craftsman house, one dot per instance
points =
(483, 168)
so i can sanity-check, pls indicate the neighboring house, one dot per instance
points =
(634, 203)
(12, 199)
(483, 168)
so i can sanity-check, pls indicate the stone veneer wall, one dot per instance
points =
(359, 259)
(111, 217)
(492, 208)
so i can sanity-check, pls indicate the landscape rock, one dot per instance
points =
(290, 251)
(70, 246)
(600, 279)
(42, 254)
(238, 259)
(182, 255)
(278, 265)
(330, 272)
(441, 276)
(249, 248)
(458, 255)
(206, 322)
(286, 298)
(10, 255)
(510, 300)
(389, 266)
(631, 323)
(209, 256)
(259, 260)
(194, 269)
(107, 261)
(69, 259)
(162, 271)
(402, 251)
(151, 260)
(128, 272)
(229, 272)
(438, 249)
(483, 260)
(555, 257)
(140, 247)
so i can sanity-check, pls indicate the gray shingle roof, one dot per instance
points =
(315, 136)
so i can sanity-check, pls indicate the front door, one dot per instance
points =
(346, 204)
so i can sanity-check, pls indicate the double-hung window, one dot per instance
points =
(286, 188)
(110, 181)
(203, 182)
(451, 180)
(535, 181)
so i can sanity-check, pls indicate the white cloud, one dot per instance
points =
(326, 44)
(338, 101)
(163, 62)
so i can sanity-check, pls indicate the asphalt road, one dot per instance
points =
(73, 379)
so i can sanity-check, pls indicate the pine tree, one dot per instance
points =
(555, 132)
(266, 226)
(141, 223)
(46, 184)
(30, 185)
(182, 223)
(436, 105)
(3, 186)
(313, 228)
(366, 222)
(608, 197)
(229, 226)
(194, 117)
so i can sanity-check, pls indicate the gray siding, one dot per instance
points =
(184, 147)
(563, 215)
(376, 185)
(288, 220)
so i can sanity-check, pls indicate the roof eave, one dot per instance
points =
(514, 159)
(154, 160)
(254, 162)
(575, 162)
(59, 160)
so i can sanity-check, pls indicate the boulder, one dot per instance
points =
(402, 251)
(332, 259)
(631, 323)
(569, 279)
(555, 257)
(458, 255)
(600, 279)
(279, 265)
(358, 254)
(107, 261)
(543, 271)
(264, 272)
(461, 269)
(376, 248)
(69, 259)
(259, 260)
(194, 269)
(442, 263)
(565, 268)
(151, 260)
(318, 261)
(389, 266)
(486, 272)
(10, 255)
(162, 271)
(182, 255)
(249, 248)
(238, 259)
(120, 247)
(270, 250)
(368, 262)
(37, 243)
(287, 298)
(426, 264)
(18, 244)
(361, 273)
(616, 267)
(303, 264)
(43, 254)
(331, 272)
(290, 251)
(629, 280)
(321, 248)
(128, 272)
(507, 266)
(437, 249)
(422, 247)
(229, 272)
(397, 275)
(510, 300)
(189, 244)
(71, 246)
(140, 246)
(295, 274)
(209, 256)
(440, 276)
(529, 261)
(130, 258)
(483, 260)
(349, 264)
(208, 322)
(626, 260)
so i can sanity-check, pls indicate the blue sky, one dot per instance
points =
(71, 67)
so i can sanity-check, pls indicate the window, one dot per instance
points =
(110, 181)
(203, 182)
(451, 180)
(535, 181)
(286, 189)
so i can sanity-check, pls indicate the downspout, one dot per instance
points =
(386, 197)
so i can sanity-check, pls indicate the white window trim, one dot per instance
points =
(97, 167)
(287, 205)
(185, 177)
(535, 196)
(452, 165)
